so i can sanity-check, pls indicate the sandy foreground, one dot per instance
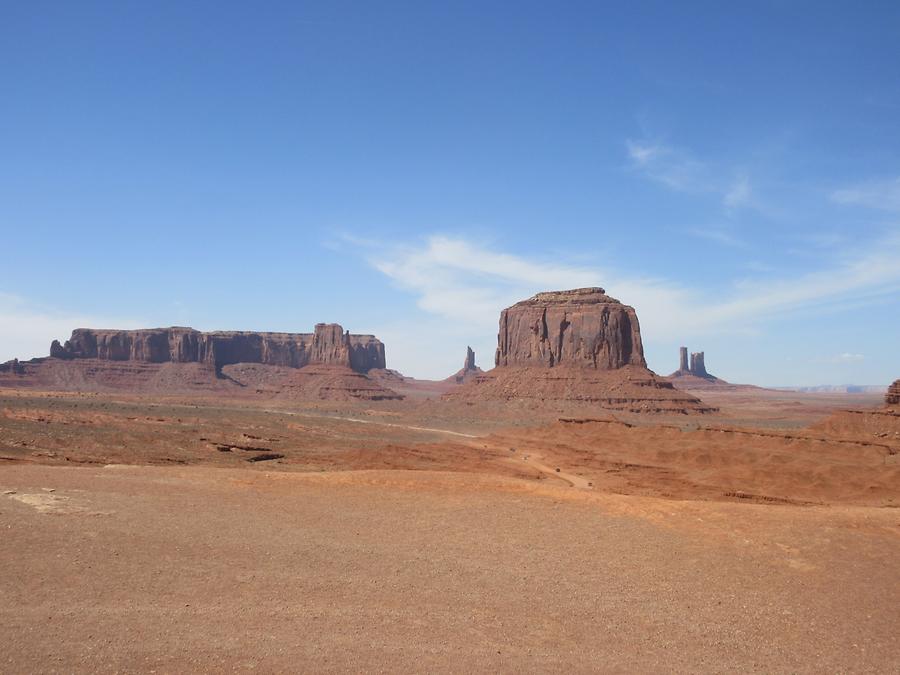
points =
(188, 568)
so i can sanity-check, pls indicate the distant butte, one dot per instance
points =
(468, 371)
(695, 368)
(892, 397)
(575, 345)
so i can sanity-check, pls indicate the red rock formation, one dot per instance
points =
(328, 345)
(683, 362)
(698, 365)
(470, 359)
(12, 367)
(327, 364)
(695, 372)
(468, 371)
(892, 397)
(582, 327)
(581, 346)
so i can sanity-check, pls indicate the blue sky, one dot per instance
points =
(409, 169)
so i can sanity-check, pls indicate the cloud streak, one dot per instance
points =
(469, 283)
(680, 171)
(882, 194)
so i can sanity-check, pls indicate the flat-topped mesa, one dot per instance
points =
(583, 328)
(328, 345)
(892, 397)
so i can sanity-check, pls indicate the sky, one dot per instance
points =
(408, 169)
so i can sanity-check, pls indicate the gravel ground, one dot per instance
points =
(181, 568)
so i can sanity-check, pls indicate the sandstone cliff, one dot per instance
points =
(893, 394)
(582, 327)
(328, 345)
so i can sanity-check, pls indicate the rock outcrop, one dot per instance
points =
(328, 345)
(583, 327)
(470, 359)
(696, 367)
(578, 346)
(468, 371)
(12, 367)
(683, 363)
(892, 397)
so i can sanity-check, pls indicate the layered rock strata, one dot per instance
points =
(327, 345)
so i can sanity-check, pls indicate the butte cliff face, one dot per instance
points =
(328, 345)
(581, 328)
(579, 346)
(892, 397)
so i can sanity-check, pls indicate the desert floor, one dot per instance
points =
(186, 535)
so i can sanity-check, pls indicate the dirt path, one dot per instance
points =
(376, 422)
(572, 479)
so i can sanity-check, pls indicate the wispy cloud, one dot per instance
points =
(882, 194)
(719, 236)
(738, 193)
(674, 168)
(26, 329)
(681, 171)
(469, 283)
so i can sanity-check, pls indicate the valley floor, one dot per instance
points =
(139, 537)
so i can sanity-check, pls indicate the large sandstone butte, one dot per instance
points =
(892, 397)
(328, 345)
(578, 345)
(326, 364)
(582, 327)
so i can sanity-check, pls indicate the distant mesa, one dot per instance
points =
(575, 345)
(328, 363)
(327, 345)
(468, 371)
(892, 397)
